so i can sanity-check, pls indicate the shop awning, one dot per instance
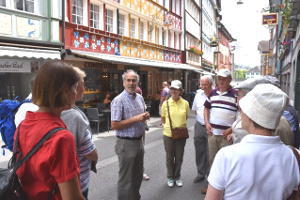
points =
(29, 53)
(130, 60)
(204, 72)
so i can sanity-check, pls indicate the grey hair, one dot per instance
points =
(128, 71)
(210, 79)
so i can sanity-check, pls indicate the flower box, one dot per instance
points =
(196, 51)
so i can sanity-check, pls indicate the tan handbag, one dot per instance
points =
(177, 133)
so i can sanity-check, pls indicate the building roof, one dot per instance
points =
(226, 33)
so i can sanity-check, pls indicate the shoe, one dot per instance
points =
(204, 191)
(198, 179)
(160, 126)
(170, 182)
(179, 183)
(146, 177)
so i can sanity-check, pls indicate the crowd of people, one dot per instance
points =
(241, 137)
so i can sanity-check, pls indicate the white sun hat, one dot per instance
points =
(176, 84)
(264, 105)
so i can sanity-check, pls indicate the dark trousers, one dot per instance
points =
(131, 158)
(201, 150)
(85, 194)
(174, 155)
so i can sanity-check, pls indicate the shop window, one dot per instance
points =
(121, 24)
(109, 20)
(94, 16)
(25, 5)
(3, 3)
(142, 31)
(77, 11)
(132, 28)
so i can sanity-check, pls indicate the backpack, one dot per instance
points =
(10, 185)
(8, 109)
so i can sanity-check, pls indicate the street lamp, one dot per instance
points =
(239, 2)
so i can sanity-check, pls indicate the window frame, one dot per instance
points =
(142, 28)
(132, 27)
(77, 15)
(121, 28)
(109, 26)
(92, 18)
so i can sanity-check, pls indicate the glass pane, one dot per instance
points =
(74, 2)
(92, 7)
(74, 18)
(96, 15)
(3, 3)
(73, 10)
(29, 6)
(96, 8)
(80, 3)
(79, 12)
(96, 25)
(19, 4)
(80, 20)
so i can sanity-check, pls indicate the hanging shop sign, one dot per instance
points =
(270, 19)
(9, 66)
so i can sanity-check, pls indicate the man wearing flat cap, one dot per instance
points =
(220, 113)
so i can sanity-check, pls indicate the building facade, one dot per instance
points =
(29, 36)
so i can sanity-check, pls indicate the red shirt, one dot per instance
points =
(55, 162)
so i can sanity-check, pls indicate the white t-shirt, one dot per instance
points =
(198, 105)
(259, 167)
(21, 114)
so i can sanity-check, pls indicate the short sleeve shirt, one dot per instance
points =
(55, 162)
(179, 111)
(252, 169)
(125, 106)
(223, 109)
(198, 105)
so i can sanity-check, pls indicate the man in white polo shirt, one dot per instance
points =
(200, 139)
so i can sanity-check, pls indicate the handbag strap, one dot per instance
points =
(169, 115)
(298, 160)
(36, 147)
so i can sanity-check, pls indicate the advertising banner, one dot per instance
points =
(11, 66)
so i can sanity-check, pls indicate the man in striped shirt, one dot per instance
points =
(220, 113)
(128, 116)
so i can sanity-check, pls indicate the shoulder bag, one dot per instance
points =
(296, 193)
(10, 185)
(177, 133)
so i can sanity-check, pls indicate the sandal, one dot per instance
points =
(146, 177)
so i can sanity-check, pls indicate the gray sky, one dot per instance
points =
(244, 23)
